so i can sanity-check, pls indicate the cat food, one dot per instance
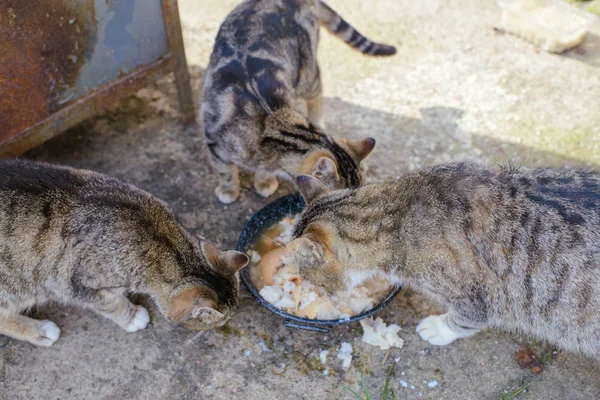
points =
(345, 354)
(376, 333)
(278, 280)
(549, 24)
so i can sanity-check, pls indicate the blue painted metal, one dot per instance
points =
(128, 34)
(63, 61)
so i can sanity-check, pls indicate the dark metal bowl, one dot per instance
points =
(273, 212)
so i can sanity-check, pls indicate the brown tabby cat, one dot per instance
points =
(82, 238)
(263, 61)
(517, 250)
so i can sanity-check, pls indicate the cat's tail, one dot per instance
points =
(336, 25)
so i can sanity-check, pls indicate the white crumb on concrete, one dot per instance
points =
(432, 384)
(323, 356)
(263, 346)
(345, 354)
(376, 333)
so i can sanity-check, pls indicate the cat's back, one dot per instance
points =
(571, 194)
(574, 195)
(261, 24)
(39, 201)
(29, 183)
(27, 178)
(261, 49)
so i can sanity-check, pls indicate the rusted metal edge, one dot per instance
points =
(87, 107)
(170, 11)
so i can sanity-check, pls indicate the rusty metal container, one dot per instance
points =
(63, 61)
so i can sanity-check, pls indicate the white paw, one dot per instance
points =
(266, 189)
(226, 197)
(139, 321)
(50, 333)
(435, 330)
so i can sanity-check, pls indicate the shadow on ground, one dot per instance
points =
(588, 52)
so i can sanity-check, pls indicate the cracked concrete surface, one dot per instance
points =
(456, 89)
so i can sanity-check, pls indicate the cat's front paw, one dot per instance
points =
(49, 334)
(140, 320)
(436, 331)
(267, 187)
(226, 197)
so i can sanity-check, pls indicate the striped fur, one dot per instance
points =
(263, 64)
(82, 238)
(517, 250)
(336, 25)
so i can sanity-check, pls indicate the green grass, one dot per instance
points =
(515, 394)
(387, 392)
(594, 7)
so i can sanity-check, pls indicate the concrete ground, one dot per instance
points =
(456, 89)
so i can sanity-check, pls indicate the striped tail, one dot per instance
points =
(336, 25)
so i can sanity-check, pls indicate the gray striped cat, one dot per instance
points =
(517, 250)
(264, 61)
(86, 239)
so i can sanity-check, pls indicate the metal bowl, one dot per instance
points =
(273, 212)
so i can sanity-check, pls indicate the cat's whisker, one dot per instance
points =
(277, 244)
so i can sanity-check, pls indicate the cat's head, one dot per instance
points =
(341, 163)
(334, 246)
(208, 298)
(337, 162)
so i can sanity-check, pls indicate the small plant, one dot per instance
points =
(515, 394)
(386, 389)
(594, 7)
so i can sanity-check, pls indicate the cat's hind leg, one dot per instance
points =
(315, 111)
(40, 333)
(312, 93)
(265, 183)
(114, 305)
(228, 190)
(444, 329)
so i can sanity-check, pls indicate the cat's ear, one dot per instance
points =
(305, 251)
(194, 302)
(235, 260)
(361, 148)
(310, 187)
(211, 252)
(232, 260)
(325, 168)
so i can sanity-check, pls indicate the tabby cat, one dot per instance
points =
(264, 61)
(82, 238)
(517, 250)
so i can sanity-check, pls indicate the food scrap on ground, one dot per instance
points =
(377, 333)
(345, 354)
(323, 356)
